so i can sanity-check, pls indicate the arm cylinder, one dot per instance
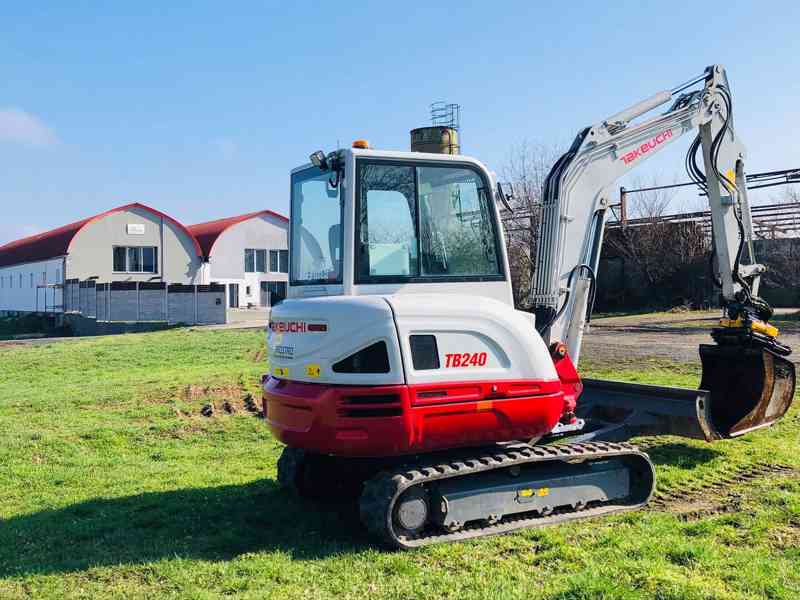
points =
(640, 108)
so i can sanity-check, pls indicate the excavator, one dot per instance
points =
(401, 370)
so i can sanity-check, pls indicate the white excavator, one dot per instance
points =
(401, 371)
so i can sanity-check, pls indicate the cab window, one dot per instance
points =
(429, 223)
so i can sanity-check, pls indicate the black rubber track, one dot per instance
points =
(382, 491)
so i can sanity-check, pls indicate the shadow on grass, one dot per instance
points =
(216, 523)
(681, 455)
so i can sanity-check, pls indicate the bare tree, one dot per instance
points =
(656, 253)
(791, 195)
(650, 204)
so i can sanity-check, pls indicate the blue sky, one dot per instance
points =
(201, 109)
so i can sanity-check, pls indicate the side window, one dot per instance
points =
(316, 235)
(387, 230)
(456, 228)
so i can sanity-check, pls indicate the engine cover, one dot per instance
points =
(376, 376)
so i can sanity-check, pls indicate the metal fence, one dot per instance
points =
(770, 221)
(145, 302)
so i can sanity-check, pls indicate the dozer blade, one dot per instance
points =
(751, 387)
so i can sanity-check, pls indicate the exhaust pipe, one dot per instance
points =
(742, 389)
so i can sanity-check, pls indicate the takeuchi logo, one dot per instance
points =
(297, 327)
(647, 146)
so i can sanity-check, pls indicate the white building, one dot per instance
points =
(133, 243)
(248, 254)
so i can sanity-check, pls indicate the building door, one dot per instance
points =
(264, 294)
(233, 295)
(272, 292)
(280, 292)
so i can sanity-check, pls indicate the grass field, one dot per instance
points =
(113, 484)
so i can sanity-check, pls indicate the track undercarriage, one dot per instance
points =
(480, 491)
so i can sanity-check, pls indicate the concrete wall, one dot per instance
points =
(152, 302)
(91, 252)
(226, 264)
(21, 294)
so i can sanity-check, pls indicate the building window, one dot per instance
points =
(134, 259)
(119, 259)
(247, 291)
(31, 280)
(278, 261)
(149, 259)
(273, 261)
(261, 261)
(20, 281)
(255, 260)
(58, 276)
(249, 260)
(284, 255)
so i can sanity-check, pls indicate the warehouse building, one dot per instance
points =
(248, 254)
(131, 243)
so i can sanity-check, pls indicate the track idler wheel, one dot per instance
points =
(751, 387)
(411, 511)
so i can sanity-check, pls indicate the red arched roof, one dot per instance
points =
(57, 242)
(208, 233)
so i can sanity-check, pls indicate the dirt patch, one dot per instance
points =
(786, 537)
(718, 496)
(694, 509)
(221, 400)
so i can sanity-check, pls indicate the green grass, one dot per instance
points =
(113, 485)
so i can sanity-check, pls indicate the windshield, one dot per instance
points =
(316, 229)
(428, 223)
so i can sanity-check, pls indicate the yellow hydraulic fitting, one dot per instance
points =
(758, 326)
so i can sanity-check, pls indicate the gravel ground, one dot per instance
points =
(617, 340)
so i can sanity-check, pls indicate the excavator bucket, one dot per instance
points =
(751, 387)
(743, 388)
